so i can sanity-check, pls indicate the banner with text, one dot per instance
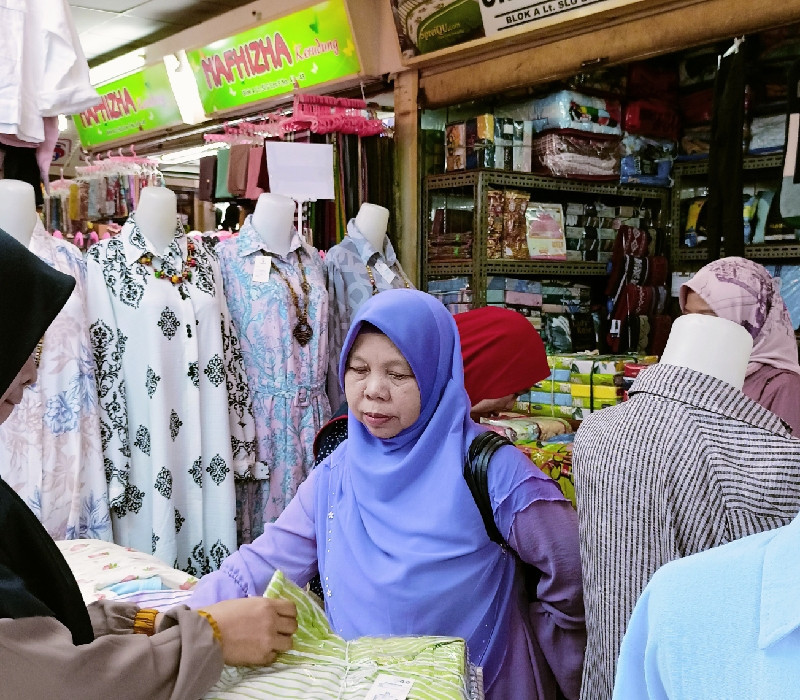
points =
(137, 103)
(306, 48)
(424, 26)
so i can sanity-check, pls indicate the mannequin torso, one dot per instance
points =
(18, 210)
(273, 219)
(371, 221)
(157, 216)
(711, 345)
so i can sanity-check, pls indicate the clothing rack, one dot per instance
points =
(324, 115)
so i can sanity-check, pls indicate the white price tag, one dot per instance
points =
(261, 268)
(384, 271)
(388, 687)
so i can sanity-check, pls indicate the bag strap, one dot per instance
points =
(476, 474)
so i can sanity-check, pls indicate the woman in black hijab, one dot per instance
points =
(51, 645)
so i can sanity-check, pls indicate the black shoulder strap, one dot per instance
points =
(476, 474)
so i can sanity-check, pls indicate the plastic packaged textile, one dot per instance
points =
(515, 244)
(646, 161)
(322, 665)
(572, 110)
(555, 460)
(545, 231)
(651, 118)
(575, 155)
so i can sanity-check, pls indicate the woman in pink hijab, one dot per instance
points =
(744, 292)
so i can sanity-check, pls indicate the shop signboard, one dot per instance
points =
(135, 104)
(308, 47)
(430, 25)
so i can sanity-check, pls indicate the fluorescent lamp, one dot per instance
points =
(117, 67)
(184, 87)
(187, 155)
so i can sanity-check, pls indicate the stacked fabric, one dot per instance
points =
(591, 229)
(580, 384)
(651, 124)
(453, 292)
(524, 296)
(451, 235)
(323, 665)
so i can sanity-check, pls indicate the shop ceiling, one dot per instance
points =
(109, 28)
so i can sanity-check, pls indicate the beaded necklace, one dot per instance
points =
(302, 331)
(375, 289)
(186, 273)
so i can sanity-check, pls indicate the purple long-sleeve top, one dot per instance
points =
(545, 639)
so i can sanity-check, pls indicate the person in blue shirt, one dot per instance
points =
(722, 624)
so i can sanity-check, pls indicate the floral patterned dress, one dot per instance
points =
(176, 415)
(50, 451)
(287, 380)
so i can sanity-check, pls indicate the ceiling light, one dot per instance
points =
(184, 87)
(117, 67)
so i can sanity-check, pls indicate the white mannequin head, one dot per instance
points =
(273, 219)
(18, 210)
(157, 216)
(372, 220)
(711, 345)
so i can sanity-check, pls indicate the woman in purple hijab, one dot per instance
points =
(388, 521)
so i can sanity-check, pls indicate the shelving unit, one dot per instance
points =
(473, 186)
(694, 173)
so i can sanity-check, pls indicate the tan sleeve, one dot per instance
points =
(39, 660)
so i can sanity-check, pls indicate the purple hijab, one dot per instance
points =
(406, 550)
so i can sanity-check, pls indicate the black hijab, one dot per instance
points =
(35, 580)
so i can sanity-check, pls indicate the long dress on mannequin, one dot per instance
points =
(177, 420)
(50, 447)
(355, 271)
(287, 379)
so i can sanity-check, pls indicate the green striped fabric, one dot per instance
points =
(324, 666)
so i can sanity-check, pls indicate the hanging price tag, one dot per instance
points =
(384, 271)
(261, 268)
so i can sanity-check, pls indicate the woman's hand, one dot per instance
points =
(254, 630)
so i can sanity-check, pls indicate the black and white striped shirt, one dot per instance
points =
(688, 463)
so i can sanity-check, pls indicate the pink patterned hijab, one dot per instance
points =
(742, 291)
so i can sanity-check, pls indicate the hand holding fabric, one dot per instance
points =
(254, 630)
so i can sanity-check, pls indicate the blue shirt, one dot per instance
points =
(721, 624)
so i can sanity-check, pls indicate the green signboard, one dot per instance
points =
(140, 102)
(306, 48)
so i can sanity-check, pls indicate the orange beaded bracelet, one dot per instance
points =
(213, 623)
(145, 622)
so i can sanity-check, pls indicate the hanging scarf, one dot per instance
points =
(742, 291)
(35, 580)
(406, 551)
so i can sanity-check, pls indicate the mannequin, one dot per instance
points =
(372, 221)
(274, 283)
(18, 215)
(362, 265)
(711, 345)
(273, 219)
(175, 410)
(157, 216)
(54, 459)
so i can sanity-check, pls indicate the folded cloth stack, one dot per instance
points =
(322, 665)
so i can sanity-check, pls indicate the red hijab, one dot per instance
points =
(503, 354)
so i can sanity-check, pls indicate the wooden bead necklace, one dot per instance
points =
(175, 278)
(375, 289)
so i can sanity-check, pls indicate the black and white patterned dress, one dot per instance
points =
(176, 416)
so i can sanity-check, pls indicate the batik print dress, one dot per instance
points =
(287, 380)
(50, 450)
(176, 416)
